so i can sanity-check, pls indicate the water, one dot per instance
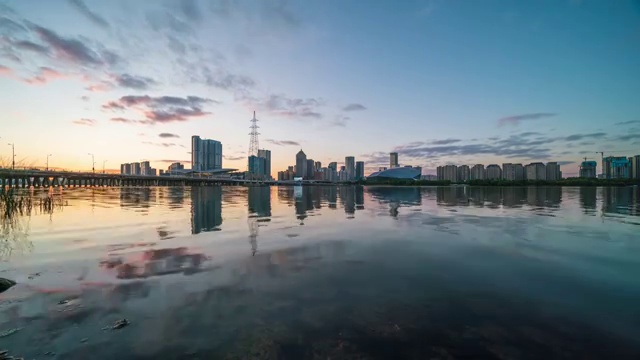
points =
(325, 272)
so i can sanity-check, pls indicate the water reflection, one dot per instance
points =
(335, 288)
(259, 202)
(155, 263)
(206, 209)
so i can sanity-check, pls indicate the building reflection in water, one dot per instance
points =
(494, 197)
(259, 203)
(621, 200)
(176, 196)
(397, 197)
(137, 197)
(588, 199)
(206, 208)
(155, 263)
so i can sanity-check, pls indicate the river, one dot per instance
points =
(318, 272)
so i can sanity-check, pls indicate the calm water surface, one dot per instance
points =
(325, 272)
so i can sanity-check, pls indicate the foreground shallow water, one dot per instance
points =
(325, 272)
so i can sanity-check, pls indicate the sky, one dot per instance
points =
(440, 82)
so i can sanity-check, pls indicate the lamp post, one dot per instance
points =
(48, 161)
(13, 158)
(104, 162)
(93, 163)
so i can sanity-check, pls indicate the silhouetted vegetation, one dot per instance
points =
(562, 182)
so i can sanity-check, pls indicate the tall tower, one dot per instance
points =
(253, 144)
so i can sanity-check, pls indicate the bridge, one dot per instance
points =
(45, 179)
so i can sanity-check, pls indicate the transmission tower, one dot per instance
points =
(253, 144)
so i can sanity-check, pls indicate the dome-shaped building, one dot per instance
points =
(398, 173)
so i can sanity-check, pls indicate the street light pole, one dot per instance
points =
(48, 161)
(93, 163)
(104, 162)
(13, 159)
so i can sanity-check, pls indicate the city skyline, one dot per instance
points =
(538, 90)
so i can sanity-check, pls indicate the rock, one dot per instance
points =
(120, 324)
(6, 284)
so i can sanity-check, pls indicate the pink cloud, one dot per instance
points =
(46, 75)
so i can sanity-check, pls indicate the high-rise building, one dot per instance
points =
(536, 171)
(512, 172)
(448, 172)
(359, 170)
(333, 165)
(493, 172)
(266, 155)
(617, 167)
(393, 159)
(301, 164)
(350, 166)
(464, 173)
(205, 154)
(635, 166)
(477, 172)
(553, 171)
(175, 167)
(128, 169)
(318, 165)
(122, 169)
(136, 169)
(310, 169)
(588, 169)
(257, 166)
(145, 168)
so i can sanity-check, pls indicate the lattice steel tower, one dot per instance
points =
(253, 144)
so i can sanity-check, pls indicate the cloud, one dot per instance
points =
(516, 119)
(630, 122)
(340, 121)
(101, 86)
(84, 98)
(92, 16)
(161, 109)
(163, 144)
(445, 141)
(190, 10)
(628, 137)
(123, 120)
(234, 158)
(281, 105)
(563, 163)
(5, 71)
(85, 122)
(577, 137)
(168, 135)
(354, 107)
(173, 161)
(134, 82)
(45, 75)
(31, 46)
(75, 51)
(283, 142)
